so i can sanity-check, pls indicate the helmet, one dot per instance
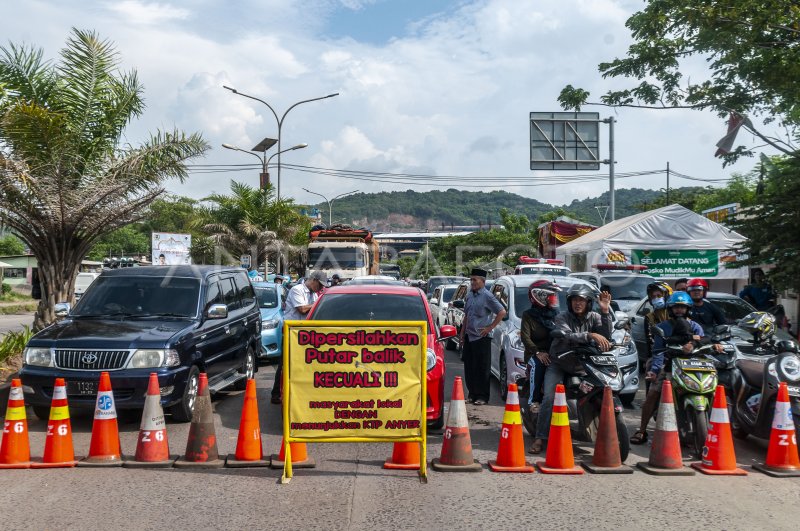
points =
(697, 283)
(680, 297)
(660, 286)
(584, 291)
(544, 294)
(760, 324)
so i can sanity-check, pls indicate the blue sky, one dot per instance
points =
(426, 87)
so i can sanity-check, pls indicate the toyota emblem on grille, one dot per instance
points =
(89, 359)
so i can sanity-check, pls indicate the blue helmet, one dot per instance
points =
(680, 297)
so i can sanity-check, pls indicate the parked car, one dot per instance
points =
(732, 306)
(435, 282)
(440, 301)
(541, 266)
(626, 283)
(508, 353)
(82, 282)
(270, 303)
(454, 316)
(176, 321)
(392, 303)
(375, 279)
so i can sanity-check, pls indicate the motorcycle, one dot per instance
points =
(592, 371)
(772, 361)
(694, 378)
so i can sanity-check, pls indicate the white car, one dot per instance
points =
(82, 282)
(440, 301)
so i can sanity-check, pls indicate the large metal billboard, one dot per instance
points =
(565, 140)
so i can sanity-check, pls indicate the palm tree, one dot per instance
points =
(65, 177)
(252, 221)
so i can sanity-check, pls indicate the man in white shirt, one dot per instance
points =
(298, 303)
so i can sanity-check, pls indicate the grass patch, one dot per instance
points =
(14, 296)
(11, 346)
(23, 307)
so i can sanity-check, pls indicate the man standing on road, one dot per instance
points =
(478, 323)
(298, 303)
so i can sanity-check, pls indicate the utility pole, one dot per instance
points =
(612, 199)
(668, 183)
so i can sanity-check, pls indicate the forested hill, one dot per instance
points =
(432, 210)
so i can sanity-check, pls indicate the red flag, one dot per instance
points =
(735, 122)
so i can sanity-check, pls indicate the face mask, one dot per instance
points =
(658, 303)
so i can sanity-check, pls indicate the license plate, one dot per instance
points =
(696, 365)
(604, 360)
(793, 390)
(82, 388)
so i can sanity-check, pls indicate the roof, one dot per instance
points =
(4, 264)
(422, 235)
(195, 271)
(669, 227)
(385, 289)
(527, 280)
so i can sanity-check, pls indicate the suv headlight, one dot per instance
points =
(430, 359)
(151, 358)
(40, 357)
(270, 324)
(790, 366)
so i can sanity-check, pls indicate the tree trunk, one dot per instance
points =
(57, 276)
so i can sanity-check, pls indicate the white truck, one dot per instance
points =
(344, 251)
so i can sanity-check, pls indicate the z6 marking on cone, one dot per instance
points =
(104, 449)
(152, 447)
(15, 450)
(457, 446)
(201, 445)
(719, 458)
(249, 451)
(782, 458)
(559, 458)
(511, 451)
(58, 450)
(665, 454)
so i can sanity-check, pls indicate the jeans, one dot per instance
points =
(477, 356)
(536, 371)
(553, 376)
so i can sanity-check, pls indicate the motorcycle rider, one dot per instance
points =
(678, 328)
(658, 293)
(537, 323)
(702, 311)
(582, 326)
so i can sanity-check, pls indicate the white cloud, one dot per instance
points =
(147, 12)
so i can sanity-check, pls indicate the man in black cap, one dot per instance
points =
(479, 307)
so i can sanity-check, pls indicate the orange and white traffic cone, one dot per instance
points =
(606, 458)
(559, 458)
(511, 450)
(58, 450)
(782, 459)
(104, 449)
(457, 446)
(152, 448)
(719, 458)
(405, 456)
(249, 451)
(15, 450)
(201, 446)
(665, 454)
(300, 458)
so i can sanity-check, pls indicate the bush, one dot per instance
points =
(14, 342)
(6, 289)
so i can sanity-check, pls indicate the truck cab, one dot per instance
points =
(347, 252)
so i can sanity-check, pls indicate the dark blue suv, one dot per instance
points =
(176, 321)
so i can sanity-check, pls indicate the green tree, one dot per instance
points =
(128, 241)
(752, 50)
(10, 245)
(66, 179)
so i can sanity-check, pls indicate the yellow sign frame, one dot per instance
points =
(421, 439)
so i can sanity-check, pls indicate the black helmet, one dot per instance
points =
(584, 291)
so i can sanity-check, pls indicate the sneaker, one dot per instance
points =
(534, 408)
(479, 402)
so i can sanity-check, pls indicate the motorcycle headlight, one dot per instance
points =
(615, 382)
(690, 383)
(151, 358)
(430, 359)
(790, 366)
(270, 324)
(38, 356)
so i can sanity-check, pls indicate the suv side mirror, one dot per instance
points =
(459, 303)
(217, 311)
(62, 309)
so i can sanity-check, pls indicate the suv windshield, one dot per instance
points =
(733, 308)
(140, 297)
(630, 287)
(370, 307)
(267, 297)
(335, 257)
(435, 282)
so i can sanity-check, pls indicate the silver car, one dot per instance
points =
(508, 352)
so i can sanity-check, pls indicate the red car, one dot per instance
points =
(392, 303)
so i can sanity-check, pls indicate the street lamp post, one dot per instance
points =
(264, 178)
(279, 120)
(330, 203)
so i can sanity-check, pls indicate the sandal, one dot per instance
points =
(536, 447)
(640, 437)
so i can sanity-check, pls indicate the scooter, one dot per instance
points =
(584, 384)
(694, 380)
(772, 362)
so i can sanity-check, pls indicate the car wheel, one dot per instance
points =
(503, 377)
(249, 370)
(182, 411)
(437, 424)
(43, 412)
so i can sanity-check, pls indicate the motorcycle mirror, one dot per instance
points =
(621, 323)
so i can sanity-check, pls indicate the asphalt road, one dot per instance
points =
(350, 490)
(15, 322)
